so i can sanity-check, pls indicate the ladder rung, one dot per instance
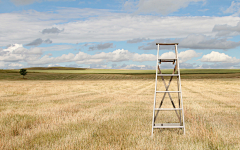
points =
(167, 60)
(171, 59)
(168, 75)
(168, 125)
(167, 108)
(168, 91)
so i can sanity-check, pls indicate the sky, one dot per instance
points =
(119, 34)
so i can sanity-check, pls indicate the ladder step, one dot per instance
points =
(168, 125)
(167, 108)
(167, 60)
(168, 75)
(168, 91)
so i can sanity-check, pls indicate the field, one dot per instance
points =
(62, 73)
(119, 71)
(114, 111)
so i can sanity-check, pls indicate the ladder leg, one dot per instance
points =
(180, 88)
(154, 104)
(180, 119)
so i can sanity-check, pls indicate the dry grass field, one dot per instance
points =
(115, 114)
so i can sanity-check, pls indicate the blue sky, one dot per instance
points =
(118, 34)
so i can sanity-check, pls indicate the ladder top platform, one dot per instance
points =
(166, 43)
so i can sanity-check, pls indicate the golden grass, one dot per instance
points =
(115, 114)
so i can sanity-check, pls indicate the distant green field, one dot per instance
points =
(114, 74)
(98, 71)
(209, 71)
(117, 71)
(55, 68)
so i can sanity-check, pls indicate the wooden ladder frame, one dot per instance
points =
(179, 111)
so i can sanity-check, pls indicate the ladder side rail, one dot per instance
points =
(178, 78)
(180, 88)
(177, 68)
(154, 104)
(179, 102)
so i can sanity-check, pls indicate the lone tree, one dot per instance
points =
(23, 72)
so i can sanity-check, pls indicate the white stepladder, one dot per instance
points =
(179, 109)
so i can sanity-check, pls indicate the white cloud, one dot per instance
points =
(137, 40)
(123, 66)
(52, 30)
(219, 66)
(10, 65)
(65, 58)
(58, 48)
(203, 10)
(99, 66)
(159, 6)
(101, 46)
(234, 8)
(54, 65)
(205, 42)
(194, 41)
(115, 56)
(15, 65)
(129, 4)
(187, 55)
(183, 56)
(13, 47)
(19, 49)
(9, 54)
(107, 26)
(187, 65)
(39, 41)
(44, 60)
(227, 30)
(90, 61)
(27, 2)
(219, 57)
(138, 67)
(118, 55)
(12, 58)
(17, 53)
(22, 2)
(168, 55)
(2, 64)
(143, 57)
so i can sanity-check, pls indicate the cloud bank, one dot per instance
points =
(163, 7)
(194, 41)
(107, 26)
